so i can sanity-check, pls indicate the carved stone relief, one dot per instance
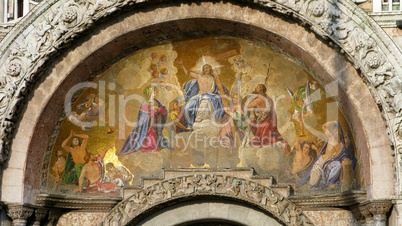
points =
(206, 184)
(19, 213)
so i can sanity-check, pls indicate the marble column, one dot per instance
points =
(19, 213)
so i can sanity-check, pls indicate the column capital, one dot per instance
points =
(40, 213)
(375, 211)
(365, 212)
(19, 213)
(379, 207)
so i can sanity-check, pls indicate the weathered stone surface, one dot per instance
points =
(80, 218)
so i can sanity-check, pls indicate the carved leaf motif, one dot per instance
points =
(17, 212)
(204, 184)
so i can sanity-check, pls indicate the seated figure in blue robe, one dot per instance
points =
(202, 97)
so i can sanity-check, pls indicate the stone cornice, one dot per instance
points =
(77, 203)
(345, 199)
(386, 19)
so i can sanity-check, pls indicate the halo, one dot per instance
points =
(153, 85)
(207, 60)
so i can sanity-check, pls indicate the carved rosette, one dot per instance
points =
(206, 184)
(19, 213)
(373, 60)
(14, 69)
(317, 8)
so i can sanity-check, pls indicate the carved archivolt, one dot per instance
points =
(53, 26)
(206, 184)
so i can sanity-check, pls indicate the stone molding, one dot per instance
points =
(332, 200)
(52, 26)
(386, 19)
(77, 203)
(173, 189)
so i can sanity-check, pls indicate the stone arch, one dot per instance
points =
(131, 210)
(377, 62)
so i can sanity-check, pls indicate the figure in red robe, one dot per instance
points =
(264, 124)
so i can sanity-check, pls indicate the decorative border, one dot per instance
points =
(127, 211)
(33, 41)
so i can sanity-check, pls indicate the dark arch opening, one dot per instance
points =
(166, 208)
(210, 222)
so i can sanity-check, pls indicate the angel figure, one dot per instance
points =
(304, 99)
(93, 107)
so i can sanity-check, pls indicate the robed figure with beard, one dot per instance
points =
(264, 124)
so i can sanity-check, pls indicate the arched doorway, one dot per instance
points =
(203, 198)
(212, 212)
